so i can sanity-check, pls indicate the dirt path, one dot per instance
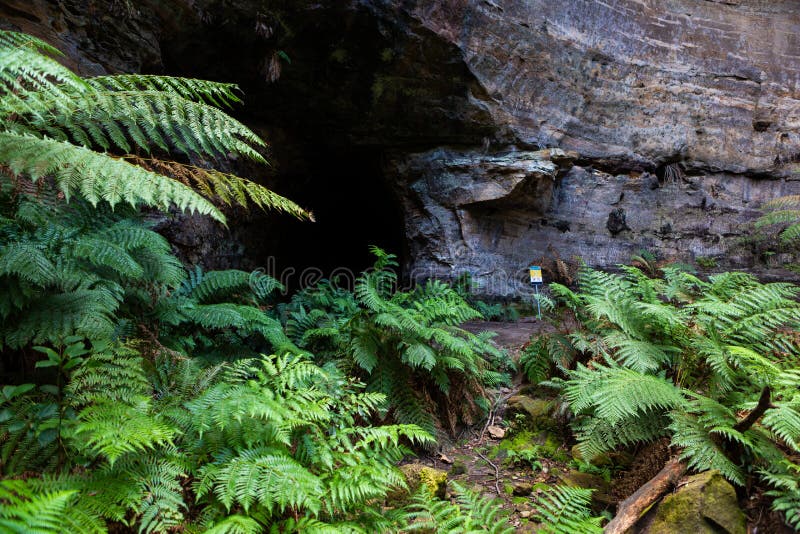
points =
(478, 460)
(511, 336)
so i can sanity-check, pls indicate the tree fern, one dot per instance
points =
(53, 121)
(406, 345)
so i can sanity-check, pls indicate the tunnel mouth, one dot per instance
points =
(312, 119)
(354, 209)
(349, 95)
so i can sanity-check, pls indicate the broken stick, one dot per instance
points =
(631, 509)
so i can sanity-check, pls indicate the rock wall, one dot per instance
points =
(492, 215)
(510, 131)
(681, 116)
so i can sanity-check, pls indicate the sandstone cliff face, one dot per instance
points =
(673, 120)
(682, 115)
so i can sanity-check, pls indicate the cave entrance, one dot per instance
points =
(353, 207)
(326, 139)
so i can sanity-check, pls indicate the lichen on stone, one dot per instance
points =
(418, 474)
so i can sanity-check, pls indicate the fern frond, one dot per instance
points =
(596, 436)
(784, 421)
(27, 69)
(214, 93)
(785, 481)
(700, 450)
(616, 393)
(638, 355)
(24, 510)
(273, 480)
(566, 510)
(95, 176)
(484, 514)
(27, 261)
(113, 429)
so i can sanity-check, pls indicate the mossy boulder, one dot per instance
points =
(417, 474)
(544, 443)
(706, 504)
(577, 479)
(535, 413)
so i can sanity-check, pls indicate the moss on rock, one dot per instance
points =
(535, 414)
(706, 504)
(417, 474)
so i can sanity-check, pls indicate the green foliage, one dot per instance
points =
(543, 352)
(99, 274)
(682, 357)
(120, 428)
(529, 456)
(59, 127)
(706, 262)
(406, 345)
(566, 510)
(219, 313)
(784, 213)
(470, 515)
(785, 481)
(268, 437)
(491, 311)
(70, 270)
(24, 510)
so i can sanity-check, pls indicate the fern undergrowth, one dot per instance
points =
(710, 364)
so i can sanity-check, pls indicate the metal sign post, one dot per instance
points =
(536, 280)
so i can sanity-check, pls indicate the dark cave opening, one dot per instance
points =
(353, 208)
(343, 95)
(308, 116)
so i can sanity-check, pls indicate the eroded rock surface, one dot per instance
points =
(493, 215)
(683, 115)
(509, 130)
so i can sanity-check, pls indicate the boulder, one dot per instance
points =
(706, 504)
(417, 474)
(521, 489)
(536, 412)
(601, 487)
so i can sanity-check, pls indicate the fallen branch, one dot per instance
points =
(489, 421)
(496, 472)
(631, 509)
(763, 405)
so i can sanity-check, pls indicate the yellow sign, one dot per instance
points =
(536, 274)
